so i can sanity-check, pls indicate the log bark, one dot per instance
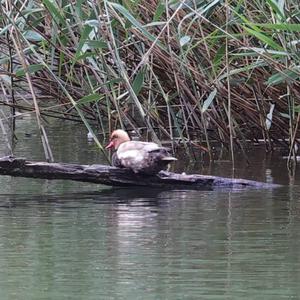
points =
(108, 175)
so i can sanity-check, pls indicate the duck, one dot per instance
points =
(141, 157)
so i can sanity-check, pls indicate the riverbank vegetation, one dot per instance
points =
(186, 71)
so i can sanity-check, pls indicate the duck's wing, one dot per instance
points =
(148, 158)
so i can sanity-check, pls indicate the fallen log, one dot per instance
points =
(108, 175)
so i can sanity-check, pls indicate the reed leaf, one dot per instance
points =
(264, 38)
(55, 12)
(138, 82)
(284, 76)
(278, 7)
(134, 22)
(31, 69)
(160, 9)
(209, 100)
(89, 99)
(279, 26)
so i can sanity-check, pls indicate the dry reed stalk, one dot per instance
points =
(17, 43)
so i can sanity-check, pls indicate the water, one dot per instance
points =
(64, 240)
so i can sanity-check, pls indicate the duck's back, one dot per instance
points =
(137, 145)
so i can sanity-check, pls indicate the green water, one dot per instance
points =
(64, 240)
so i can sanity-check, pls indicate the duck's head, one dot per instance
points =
(117, 137)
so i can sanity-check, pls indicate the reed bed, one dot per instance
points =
(188, 71)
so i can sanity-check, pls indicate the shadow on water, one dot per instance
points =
(138, 195)
(141, 196)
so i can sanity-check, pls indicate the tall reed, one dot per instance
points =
(200, 71)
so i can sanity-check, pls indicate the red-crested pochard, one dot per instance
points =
(140, 157)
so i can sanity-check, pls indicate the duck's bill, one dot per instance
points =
(110, 145)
